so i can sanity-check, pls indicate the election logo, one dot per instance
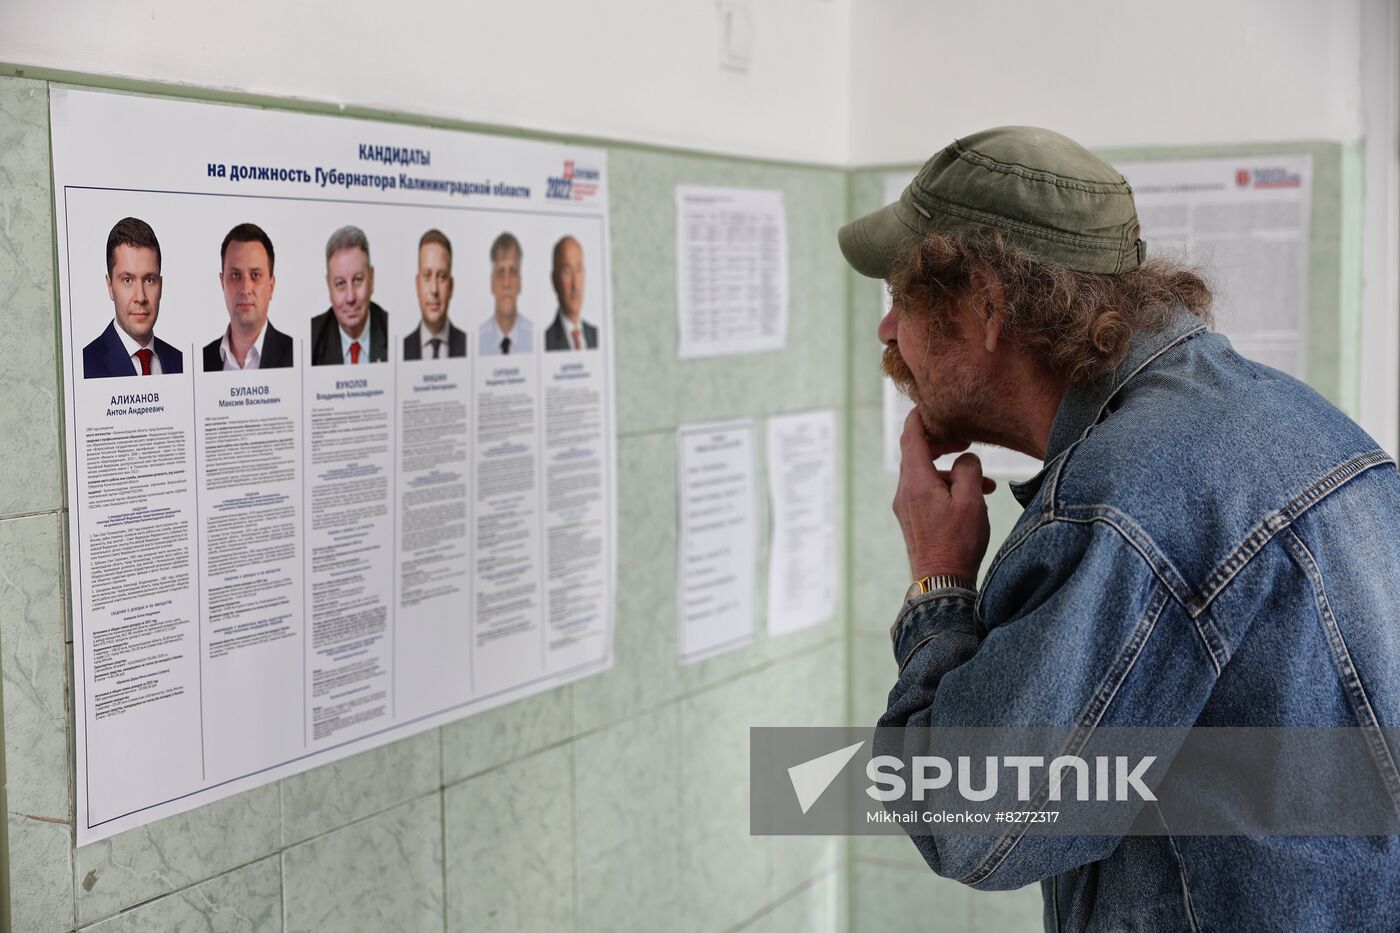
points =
(574, 183)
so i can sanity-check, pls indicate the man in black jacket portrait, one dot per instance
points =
(353, 330)
(569, 330)
(246, 261)
(436, 336)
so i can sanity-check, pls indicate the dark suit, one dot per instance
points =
(325, 337)
(558, 337)
(276, 352)
(456, 343)
(107, 356)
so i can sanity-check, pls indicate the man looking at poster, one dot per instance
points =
(506, 331)
(246, 261)
(569, 330)
(353, 330)
(1208, 543)
(129, 346)
(436, 336)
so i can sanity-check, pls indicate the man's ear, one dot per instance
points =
(993, 330)
(991, 307)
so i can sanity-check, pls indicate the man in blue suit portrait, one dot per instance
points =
(129, 345)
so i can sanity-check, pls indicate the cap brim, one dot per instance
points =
(874, 242)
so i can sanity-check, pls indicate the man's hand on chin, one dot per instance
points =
(942, 513)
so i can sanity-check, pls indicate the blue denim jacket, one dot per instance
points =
(1209, 543)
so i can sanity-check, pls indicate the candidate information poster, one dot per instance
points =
(340, 437)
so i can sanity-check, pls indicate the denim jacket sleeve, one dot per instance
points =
(1074, 629)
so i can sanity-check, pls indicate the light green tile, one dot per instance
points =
(895, 850)
(495, 737)
(34, 665)
(645, 664)
(873, 673)
(807, 690)
(245, 900)
(509, 847)
(332, 795)
(172, 853)
(726, 870)
(1019, 911)
(657, 390)
(380, 875)
(41, 875)
(628, 825)
(817, 907)
(891, 898)
(807, 687)
(879, 566)
(29, 459)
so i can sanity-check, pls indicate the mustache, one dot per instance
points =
(894, 367)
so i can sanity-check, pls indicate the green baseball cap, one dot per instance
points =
(1046, 193)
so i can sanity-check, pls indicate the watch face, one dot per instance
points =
(914, 590)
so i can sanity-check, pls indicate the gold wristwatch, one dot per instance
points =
(942, 581)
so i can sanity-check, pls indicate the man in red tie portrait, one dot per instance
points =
(353, 330)
(129, 345)
(569, 330)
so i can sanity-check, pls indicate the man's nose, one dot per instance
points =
(889, 326)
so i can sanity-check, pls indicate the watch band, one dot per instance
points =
(919, 587)
(941, 581)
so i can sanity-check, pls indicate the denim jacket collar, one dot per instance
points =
(1083, 406)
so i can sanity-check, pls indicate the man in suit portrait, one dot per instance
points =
(569, 330)
(436, 336)
(246, 261)
(506, 331)
(129, 346)
(353, 330)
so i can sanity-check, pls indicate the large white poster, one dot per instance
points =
(1245, 220)
(340, 437)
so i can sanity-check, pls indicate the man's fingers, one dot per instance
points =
(913, 442)
(915, 460)
(965, 477)
(989, 485)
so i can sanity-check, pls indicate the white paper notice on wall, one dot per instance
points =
(718, 532)
(996, 461)
(310, 520)
(802, 568)
(1244, 220)
(731, 270)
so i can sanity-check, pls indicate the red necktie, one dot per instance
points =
(145, 357)
(354, 352)
(575, 333)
